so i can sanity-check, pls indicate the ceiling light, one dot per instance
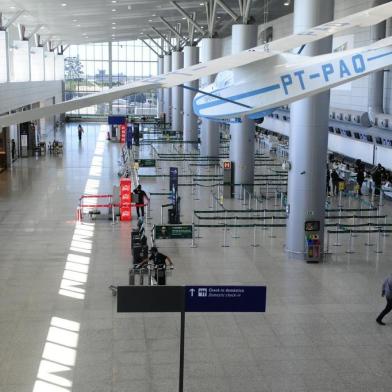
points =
(114, 10)
(201, 3)
(113, 23)
(183, 18)
(150, 20)
(75, 20)
(114, 27)
(153, 15)
(77, 25)
(114, 1)
(12, 7)
(129, 7)
(63, 4)
(287, 3)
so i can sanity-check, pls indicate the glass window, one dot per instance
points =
(86, 69)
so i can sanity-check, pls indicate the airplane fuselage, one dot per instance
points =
(285, 78)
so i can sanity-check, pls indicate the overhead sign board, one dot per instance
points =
(191, 299)
(132, 299)
(225, 298)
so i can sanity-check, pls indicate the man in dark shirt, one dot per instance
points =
(160, 260)
(139, 199)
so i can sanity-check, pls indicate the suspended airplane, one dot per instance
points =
(266, 77)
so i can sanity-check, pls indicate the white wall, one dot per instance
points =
(3, 58)
(15, 95)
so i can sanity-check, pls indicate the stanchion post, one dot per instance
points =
(264, 219)
(254, 237)
(337, 236)
(235, 228)
(384, 234)
(272, 235)
(193, 245)
(161, 215)
(224, 237)
(368, 243)
(327, 247)
(350, 243)
(379, 250)
(340, 199)
(354, 235)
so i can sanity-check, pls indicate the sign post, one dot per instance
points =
(190, 299)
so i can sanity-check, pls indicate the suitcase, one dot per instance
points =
(160, 276)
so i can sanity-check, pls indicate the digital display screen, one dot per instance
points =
(312, 226)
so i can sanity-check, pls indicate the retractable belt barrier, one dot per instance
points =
(110, 205)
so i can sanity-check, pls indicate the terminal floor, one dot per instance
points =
(60, 332)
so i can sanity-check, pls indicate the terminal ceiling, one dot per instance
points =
(79, 21)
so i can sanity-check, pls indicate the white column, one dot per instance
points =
(308, 143)
(160, 90)
(242, 134)
(209, 131)
(191, 57)
(177, 95)
(167, 91)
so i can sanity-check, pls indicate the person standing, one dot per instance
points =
(360, 169)
(387, 293)
(328, 189)
(140, 195)
(13, 149)
(335, 182)
(80, 132)
(129, 136)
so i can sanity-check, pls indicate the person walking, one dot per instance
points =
(140, 195)
(328, 189)
(387, 293)
(80, 132)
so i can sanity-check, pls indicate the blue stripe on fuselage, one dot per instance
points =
(239, 96)
(379, 56)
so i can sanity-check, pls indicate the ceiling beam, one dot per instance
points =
(188, 17)
(145, 43)
(171, 28)
(13, 19)
(228, 10)
(171, 46)
(37, 28)
(157, 44)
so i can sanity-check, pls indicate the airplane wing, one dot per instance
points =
(361, 19)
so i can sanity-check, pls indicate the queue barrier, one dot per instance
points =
(350, 249)
(110, 205)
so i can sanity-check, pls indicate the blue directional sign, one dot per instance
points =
(225, 298)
